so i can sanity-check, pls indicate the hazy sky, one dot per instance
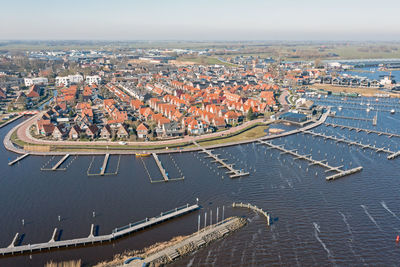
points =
(200, 19)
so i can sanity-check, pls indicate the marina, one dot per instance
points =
(233, 173)
(357, 129)
(392, 154)
(278, 182)
(323, 163)
(103, 167)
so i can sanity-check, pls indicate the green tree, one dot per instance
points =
(250, 114)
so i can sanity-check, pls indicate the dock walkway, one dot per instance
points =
(91, 239)
(162, 170)
(18, 159)
(357, 129)
(105, 163)
(233, 173)
(349, 118)
(392, 154)
(322, 163)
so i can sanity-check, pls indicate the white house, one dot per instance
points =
(34, 81)
(68, 80)
(93, 79)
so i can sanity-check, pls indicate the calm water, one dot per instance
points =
(316, 222)
(373, 73)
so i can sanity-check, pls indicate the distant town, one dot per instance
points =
(160, 94)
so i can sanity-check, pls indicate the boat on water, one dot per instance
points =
(368, 109)
(392, 111)
(339, 108)
(142, 154)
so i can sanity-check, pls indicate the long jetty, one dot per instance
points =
(233, 173)
(92, 239)
(18, 159)
(357, 129)
(255, 208)
(349, 118)
(339, 171)
(392, 154)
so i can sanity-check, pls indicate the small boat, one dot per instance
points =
(142, 154)
(368, 109)
(392, 111)
(339, 108)
(377, 99)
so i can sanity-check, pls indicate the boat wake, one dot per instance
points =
(347, 225)
(391, 212)
(316, 231)
(370, 217)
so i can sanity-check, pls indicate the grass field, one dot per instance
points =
(205, 61)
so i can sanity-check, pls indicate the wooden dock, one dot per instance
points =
(349, 118)
(340, 172)
(103, 167)
(162, 170)
(233, 173)
(255, 208)
(92, 239)
(357, 129)
(18, 159)
(58, 164)
(105, 163)
(392, 154)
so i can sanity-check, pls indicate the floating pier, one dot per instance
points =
(103, 167)
(314, 162)
(57, 165)
(14, 241)
(91, 239)
(392, 154)
(255, 208)
(349, 118)
(233, 173)
(368, 131)
(18, 159)
(162, 170)
(105, 163)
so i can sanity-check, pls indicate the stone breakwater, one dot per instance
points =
(196, 241)
(167, 252)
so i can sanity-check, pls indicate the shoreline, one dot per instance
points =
(9, 145)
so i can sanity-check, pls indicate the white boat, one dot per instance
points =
(340, 108)
(392, 111)
(368, 109)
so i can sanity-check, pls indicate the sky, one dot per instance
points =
(316, 20)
